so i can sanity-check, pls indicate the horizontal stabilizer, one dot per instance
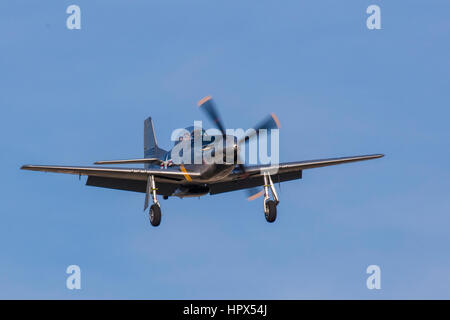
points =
(145, 160)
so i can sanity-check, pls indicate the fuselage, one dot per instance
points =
(214, 160)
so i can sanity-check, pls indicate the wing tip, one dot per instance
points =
(27, 167)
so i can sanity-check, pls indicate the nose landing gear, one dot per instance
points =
(270, 206)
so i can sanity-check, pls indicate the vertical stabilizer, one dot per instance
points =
(151, 149)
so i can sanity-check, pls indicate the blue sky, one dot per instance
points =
(74, 97)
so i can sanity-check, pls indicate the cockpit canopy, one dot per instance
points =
(189, 134)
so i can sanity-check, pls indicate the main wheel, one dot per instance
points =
(271, 211)
(155, 215)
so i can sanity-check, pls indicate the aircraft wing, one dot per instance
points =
(253, 176)
(169, 175)
(309, 164)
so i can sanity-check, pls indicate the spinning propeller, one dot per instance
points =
(270, 122)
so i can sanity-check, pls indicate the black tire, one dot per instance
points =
(271, 211)
(155, 215)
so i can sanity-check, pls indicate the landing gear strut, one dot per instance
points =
(270, 206)
(155, 209)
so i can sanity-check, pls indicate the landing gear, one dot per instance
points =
(155, 209)
(270, 206)
(270, 211)
(155, 215)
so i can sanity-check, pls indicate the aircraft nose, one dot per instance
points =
(232, 144)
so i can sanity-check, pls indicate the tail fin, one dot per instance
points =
(151, 149)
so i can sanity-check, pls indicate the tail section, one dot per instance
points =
(151, 149)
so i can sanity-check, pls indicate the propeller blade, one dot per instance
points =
(254, 193)
(243, 171)
(270, 122)
(209, 107)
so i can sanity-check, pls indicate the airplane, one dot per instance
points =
(162, 176)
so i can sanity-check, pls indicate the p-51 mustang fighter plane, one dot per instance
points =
(161, 176)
